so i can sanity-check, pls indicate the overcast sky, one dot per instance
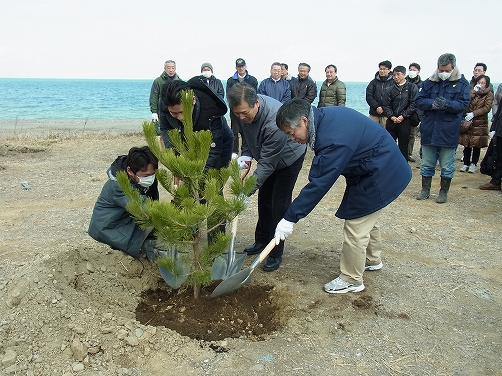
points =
(132, 39)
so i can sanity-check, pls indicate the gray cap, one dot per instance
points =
(206, 65)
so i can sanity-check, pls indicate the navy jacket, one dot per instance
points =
(279, 90)
(350, 144)
(442, 127)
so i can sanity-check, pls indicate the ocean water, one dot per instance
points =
(39, 99)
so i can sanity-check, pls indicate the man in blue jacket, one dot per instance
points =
(346, 143)
(275, 86)
(241, 75)
(443, 98)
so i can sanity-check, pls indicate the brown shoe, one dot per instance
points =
(490, 187)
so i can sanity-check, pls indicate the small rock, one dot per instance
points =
(77, 367)
(132, 341)
(90, 267)
(106, 329)
(78, 350)
(9, 358)
(138, 332)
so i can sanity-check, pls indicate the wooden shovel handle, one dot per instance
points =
(264, 254)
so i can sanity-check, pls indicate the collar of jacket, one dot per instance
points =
(383, 79)
(236, 75)
(455, 75)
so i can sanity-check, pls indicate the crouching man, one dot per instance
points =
(111, 223)
(346, 143)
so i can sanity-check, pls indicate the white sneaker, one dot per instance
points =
(464, 168)
(339, 286)
(472, 168)
(235, 155)
(374, 267)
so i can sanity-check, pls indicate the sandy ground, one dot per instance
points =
(68, 303)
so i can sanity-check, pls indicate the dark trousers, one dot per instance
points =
(401, 133)
(475, 155)
(274, 199)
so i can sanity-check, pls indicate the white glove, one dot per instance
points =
(242, 197)
(243, 162)
(283, 230)
(469, 116)
(492, 133)
(155, 117)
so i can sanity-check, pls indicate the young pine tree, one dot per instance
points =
(197, 206)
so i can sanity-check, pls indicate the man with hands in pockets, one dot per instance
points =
(279, 160)
(346, 143)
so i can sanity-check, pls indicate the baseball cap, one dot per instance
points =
(240, 62)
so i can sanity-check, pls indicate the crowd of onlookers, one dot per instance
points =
(395, 101)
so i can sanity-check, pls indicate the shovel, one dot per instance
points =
(181, 268)
(227, 265)
(237, 280)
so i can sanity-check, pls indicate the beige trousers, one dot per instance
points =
(362, 245)
(382, 120)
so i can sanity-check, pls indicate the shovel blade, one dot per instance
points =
(181, 268)
(222, 268)
(232, 283)
(174, 281)
(240, 279)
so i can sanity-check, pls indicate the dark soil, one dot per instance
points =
(250, 312)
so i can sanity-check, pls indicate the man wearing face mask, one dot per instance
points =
(443, 98)
(111, 223)
(414, 78)
(206, 71)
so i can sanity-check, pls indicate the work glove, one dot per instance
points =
(492, 133)
(242, 197)
(469, 116)
(439, 103)
(155, 117)
(244, 162)
(283, 230)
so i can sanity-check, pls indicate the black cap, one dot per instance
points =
(240, 62)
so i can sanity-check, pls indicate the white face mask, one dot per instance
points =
(444, 75)
(207, 73)
(477, 87)
(146, 181)
(412, 73)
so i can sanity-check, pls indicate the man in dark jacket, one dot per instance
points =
(303, 87)
(169, 74)
(111, 223)
(398, 105)
(375, 174)
(279, 162)
(375, 90)
(414, 78)
(209, 111)
(207, 76)
(241, 75)
(443, 98)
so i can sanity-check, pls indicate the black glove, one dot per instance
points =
(439, 104)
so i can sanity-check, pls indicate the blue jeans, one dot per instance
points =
(446, 157)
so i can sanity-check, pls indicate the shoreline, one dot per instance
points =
(44, 127)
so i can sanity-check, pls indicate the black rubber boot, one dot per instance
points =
(443, 192)
(426, 188)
